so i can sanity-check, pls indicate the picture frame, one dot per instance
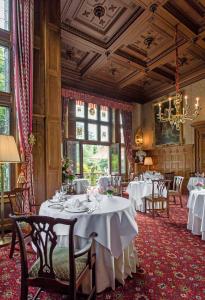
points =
(164, 133)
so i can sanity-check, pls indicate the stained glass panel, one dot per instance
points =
(104, 115)
(80, 130)
(80, 109)
(92, 111)
(92, 132)
(104, 133)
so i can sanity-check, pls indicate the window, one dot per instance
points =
(5, 129)
(5, 79)
(122, 148)
(93, 122)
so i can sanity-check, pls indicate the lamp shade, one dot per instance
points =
(148, 161)
(8, 150)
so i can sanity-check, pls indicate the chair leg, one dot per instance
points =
(153, 212)
(94, 282)
(145, 205)
(174, 199)
(13, 242)
(180, 197)
(168, 208)
(24, 291)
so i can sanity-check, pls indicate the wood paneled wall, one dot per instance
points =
(178, 159)
(47, 99)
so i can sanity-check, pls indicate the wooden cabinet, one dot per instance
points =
(199, 129)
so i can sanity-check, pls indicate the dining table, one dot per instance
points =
(193, 181)
(138, 190)
(196, 215)
(113, 219)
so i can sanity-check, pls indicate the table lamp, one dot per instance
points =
(148, 161)
(8, 154)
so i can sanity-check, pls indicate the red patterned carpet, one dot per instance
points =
(172, 264)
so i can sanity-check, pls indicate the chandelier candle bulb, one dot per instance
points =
(185, 98)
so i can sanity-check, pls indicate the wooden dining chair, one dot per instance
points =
(158, 201)
(170, 176)
(116, 184)
(17, 199)
(56, 269)
(176, 192)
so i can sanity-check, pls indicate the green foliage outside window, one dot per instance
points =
(5, 129)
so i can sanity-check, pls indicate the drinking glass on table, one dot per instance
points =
(98, 198)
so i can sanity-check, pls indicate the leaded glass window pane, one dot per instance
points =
(4, 14)
(80, 130)
(4, 69)
(92, 111)
(80, 109)
(104, 133)
(92, 132)
(104, 114)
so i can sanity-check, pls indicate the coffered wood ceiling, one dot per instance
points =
(129, 52)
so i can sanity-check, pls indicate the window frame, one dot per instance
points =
(7, 98)
(98, 122)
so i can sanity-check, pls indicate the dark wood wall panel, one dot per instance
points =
(39, 159)
(47, 99)
(178, 159)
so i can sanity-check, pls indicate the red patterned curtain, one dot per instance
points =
(23, 81)
(78, 95)
(127, 130)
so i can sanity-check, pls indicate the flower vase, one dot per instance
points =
(71, 189)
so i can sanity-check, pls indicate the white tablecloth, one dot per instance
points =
(116, 227)
(103, 183)
(193, 181)
(196, 217)
(81, 185)
(137, 191)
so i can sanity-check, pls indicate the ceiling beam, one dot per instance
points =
(181, 18)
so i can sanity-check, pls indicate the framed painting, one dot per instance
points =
(164, 133)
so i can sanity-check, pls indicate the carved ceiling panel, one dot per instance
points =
(126, 48)
(101, 19)
(187, 62)
(114, 71)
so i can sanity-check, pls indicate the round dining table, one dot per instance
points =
(137, 191)
(113, 219)
(196, 216)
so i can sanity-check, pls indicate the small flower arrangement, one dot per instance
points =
(110, 190)
(67, 169)
(200, 185)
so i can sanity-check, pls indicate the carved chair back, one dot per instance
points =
(116, 180)
(178, 181)
(44, 238)
(160, 188)
(17, 198)
(170, 176)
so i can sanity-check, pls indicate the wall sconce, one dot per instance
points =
(139, 138)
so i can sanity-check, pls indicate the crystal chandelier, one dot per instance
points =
(177, 114)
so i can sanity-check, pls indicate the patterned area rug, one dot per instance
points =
(172, 264)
